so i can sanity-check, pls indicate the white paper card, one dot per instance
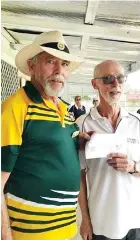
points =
(100, 145)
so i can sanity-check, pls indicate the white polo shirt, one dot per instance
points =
(114, 197)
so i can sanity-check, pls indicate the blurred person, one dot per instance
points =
(77, 109)
(111, 210)
(95, 102)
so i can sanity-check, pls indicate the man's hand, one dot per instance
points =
(83, 138)
(86, 230)
(120, 162)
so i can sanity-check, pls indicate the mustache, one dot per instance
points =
(114, 90)
(57, 77)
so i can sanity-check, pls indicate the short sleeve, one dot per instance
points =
(12, 121)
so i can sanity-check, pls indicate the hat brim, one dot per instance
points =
(32, 50)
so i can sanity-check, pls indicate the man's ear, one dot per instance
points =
(30, 65)
(93, 81)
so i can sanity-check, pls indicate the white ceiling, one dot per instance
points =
(95, 30)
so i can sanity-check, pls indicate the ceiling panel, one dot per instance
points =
(62, 10)
(120, 11)
(96, 30)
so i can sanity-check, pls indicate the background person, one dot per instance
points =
(77, 109)
(95, 102)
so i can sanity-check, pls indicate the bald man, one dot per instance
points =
(112, 208)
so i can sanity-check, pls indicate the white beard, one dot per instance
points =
(53, 93)
(110, 100)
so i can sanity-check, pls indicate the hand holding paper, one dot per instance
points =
(120, 162)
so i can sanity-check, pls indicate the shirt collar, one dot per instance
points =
(78, 107)
(123, 112)
(32, 93)
(35, 96)
(95, 115)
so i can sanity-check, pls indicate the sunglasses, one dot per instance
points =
(78, 99)
(110, 79)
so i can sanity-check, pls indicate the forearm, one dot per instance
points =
(5, 222)
(83, 202)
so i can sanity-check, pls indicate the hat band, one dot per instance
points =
(56, 45)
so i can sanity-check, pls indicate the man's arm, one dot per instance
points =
(11, 140)
(86, 226)
(5, 222)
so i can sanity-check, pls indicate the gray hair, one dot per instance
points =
(35, 58)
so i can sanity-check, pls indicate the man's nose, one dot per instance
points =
(115, 82)
(58, 68)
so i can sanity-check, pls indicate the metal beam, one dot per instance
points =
(8, 36)
(116, 55)
(74, 42)
(7, 54)
(84, 42)
(89, 19)
(100, 44)
(29, 23)
(92, 7)
(93, 55)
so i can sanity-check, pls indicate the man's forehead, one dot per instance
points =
(111, 67)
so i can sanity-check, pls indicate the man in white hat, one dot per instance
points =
(112, 209)
(40, 167)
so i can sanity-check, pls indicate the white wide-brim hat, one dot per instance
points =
(51, 42)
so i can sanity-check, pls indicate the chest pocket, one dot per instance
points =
(133, 148)
(131, 131)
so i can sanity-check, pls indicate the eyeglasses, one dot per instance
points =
(110, 79)
(78, 99)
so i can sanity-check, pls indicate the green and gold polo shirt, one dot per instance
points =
(41, 154)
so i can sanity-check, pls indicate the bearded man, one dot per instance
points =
(40, 166)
